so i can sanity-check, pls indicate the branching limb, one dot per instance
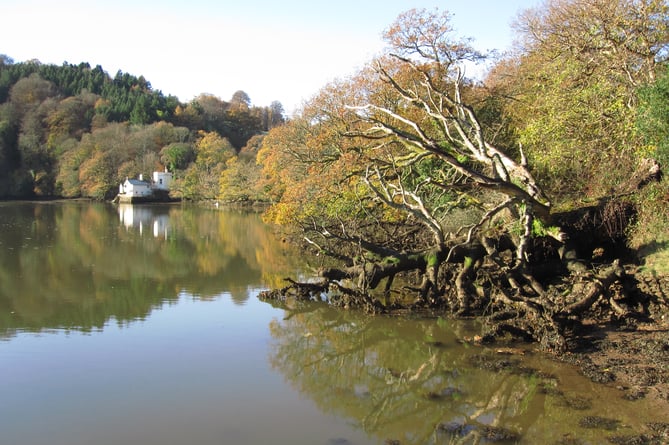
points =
(484, 219)
(408, 201)
(526, 220)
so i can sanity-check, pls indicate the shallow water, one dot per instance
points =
(141, 325)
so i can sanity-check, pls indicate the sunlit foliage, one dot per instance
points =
(573, 88)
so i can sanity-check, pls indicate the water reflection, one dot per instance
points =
(196, 372)
(75, 265)
(413, 381)
(155, 218)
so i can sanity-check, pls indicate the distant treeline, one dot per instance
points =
(75, 131)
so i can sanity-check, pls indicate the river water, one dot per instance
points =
(141, 325)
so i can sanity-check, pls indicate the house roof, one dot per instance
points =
(137, 182)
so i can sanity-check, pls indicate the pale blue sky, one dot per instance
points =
(273, 50)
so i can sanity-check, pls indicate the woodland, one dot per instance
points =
(74, 131)
(531, 197)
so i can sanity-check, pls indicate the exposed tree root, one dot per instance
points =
(510, 301)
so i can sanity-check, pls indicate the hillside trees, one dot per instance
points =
(240, 101)
(235, 120)
(131, 98)
(123, 94)
(201, 178)
(49, 112)
(177, 155)
(95, 166)
(32, 98)
(274, 115)
(70, 118)
(240, 181)
(10, 158)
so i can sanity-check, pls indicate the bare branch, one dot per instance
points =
(410, 202)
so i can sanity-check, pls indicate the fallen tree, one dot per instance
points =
(422, 157)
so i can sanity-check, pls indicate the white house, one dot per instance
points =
(135, 187)
(139, 190)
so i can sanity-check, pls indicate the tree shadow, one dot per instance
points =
(653, 247)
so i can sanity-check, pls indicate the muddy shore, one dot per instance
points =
(632, 357)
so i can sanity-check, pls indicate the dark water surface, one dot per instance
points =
(141, 325)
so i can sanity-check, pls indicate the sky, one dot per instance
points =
(274, 50)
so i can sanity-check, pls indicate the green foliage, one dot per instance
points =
(650, 234)
(574, 89)
(539, 229)
(432, 260)
(234, 120)
(94, 166)
(575, 128)
(653, 119)
(126, 97)
(177, 155)
(239, 181)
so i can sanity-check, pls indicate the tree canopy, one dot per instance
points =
(573, 86)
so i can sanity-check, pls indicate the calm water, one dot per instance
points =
(141, 325)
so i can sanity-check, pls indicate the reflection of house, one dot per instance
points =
(138, 190)
(142, 218)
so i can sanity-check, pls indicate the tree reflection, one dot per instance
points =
(75, 265)
(409, 380)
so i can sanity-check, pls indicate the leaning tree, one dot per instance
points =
(412, 153)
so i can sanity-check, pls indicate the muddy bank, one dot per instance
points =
(633, 356)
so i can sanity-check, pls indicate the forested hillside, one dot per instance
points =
(75, 131)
